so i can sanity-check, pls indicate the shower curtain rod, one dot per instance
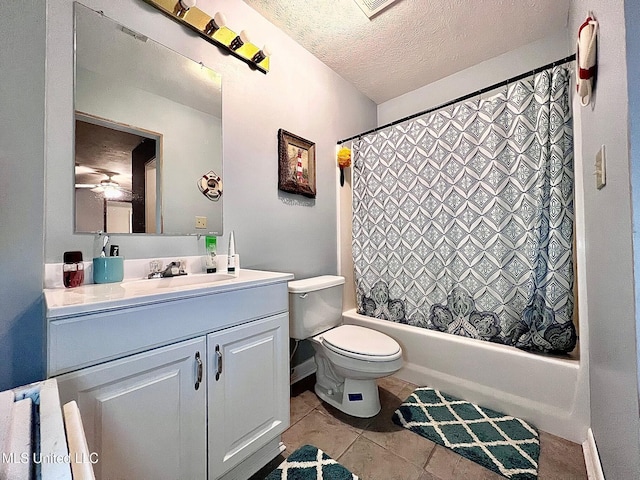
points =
(562, 61)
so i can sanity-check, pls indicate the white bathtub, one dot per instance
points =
(550, 392)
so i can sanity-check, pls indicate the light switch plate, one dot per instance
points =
(201, 222)
(601, 168)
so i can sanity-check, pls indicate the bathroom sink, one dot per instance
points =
(197, 279)
(156, 284)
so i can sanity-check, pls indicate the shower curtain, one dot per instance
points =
(463, 218)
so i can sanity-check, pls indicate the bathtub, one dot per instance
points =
(550, 392)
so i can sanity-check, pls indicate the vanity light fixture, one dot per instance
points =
(214, 30)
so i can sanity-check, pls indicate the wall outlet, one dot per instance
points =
(201, 222)
(601, 168)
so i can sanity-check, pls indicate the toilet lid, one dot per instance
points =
(361, 342)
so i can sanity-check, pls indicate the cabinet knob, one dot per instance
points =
(199, 372)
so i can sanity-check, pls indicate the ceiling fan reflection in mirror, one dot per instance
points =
(107, 187)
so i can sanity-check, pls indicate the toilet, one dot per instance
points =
(349, 358)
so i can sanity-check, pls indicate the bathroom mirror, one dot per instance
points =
(148, 134)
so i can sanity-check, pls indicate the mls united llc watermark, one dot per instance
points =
(40, 458)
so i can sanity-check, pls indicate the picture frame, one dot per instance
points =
(297, 164)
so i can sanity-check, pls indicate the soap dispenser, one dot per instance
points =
(210, 261)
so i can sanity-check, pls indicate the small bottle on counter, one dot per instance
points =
(72, 269)
(231, 254)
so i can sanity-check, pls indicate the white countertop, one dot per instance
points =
(67, 302)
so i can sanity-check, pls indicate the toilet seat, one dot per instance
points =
(361, 343)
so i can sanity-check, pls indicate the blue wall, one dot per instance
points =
(632, 22)
(22, 29)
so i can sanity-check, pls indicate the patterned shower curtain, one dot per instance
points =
(463, 218)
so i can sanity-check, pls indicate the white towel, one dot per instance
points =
(78, 449)
(18, 443)
(6, 407)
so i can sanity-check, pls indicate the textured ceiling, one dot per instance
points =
(413, 42)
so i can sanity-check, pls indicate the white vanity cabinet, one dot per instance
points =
(188, 383)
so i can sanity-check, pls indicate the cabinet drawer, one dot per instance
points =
(85, 340)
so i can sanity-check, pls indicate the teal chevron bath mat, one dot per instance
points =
(310, 463)
(507, 445)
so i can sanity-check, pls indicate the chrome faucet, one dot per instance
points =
(173, 269)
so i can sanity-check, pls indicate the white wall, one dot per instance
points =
(608, 246)
(273, 230)
(22, 29)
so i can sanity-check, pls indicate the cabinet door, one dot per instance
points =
(143, 415)
(248, 382)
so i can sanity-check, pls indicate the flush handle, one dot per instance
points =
(218, 362)
(304, 295)
(199, 371)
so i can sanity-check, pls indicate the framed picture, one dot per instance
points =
(297, 165)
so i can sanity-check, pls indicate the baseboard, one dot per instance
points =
(591, 458)
(306, 368)
(256, 461)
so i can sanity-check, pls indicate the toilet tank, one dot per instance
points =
(315, 305)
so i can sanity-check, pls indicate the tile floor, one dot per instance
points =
(377, 449)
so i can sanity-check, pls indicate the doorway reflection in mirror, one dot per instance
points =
(116, 177)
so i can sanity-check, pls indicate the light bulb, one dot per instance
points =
(240, 40)
(220, 19)
(261, 54)
(111, 193)
(245, 37)
(183, 6)
(216, 23)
